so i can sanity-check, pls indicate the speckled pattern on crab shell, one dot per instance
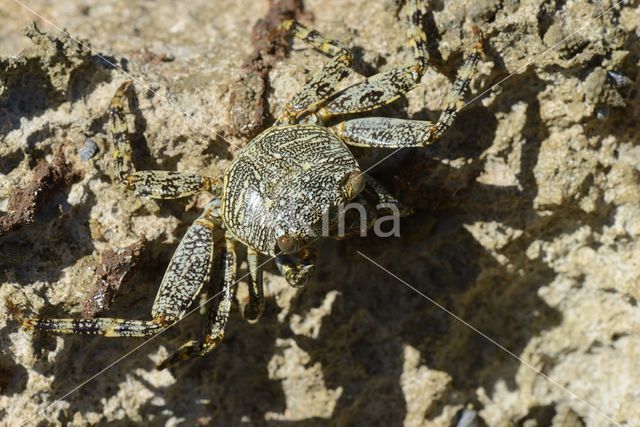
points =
(282, 183)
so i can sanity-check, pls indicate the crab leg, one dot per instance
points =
(297, 270)
(394, 133)
(253, 310)
(383, 197)
(154, 184)
(170, 184)
(387, 86)
(188, 270)
(122, 160)
(324, 82)
(218, 315)
(377, 203)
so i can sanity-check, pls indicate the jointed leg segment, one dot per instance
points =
(101, 326)
(218, 314)
(296, 269)
(154, 184)
(323, 84)
(188, 270)
(395, 133)
(367, 95)
(170, 184)
(387, 86)
(122, 161)
(254, 308)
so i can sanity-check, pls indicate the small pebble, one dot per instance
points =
(467, 419)
(619, 80)
(89, 149)
(602, 112)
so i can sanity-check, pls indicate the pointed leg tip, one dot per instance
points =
(170, 361)
(165, 364)
(187, 351)
(15, 313)
(10, 305)
(125, 85)
(479, 35)
(250, 314)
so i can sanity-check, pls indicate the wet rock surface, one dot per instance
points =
(526, 223)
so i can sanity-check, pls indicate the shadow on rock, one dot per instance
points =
(362, 343)
(53, 71)
(13, 377)
(60, 235)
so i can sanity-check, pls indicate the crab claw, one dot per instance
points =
(296, 270)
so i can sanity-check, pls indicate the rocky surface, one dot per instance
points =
(526, 222)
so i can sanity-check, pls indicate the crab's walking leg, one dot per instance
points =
(297, 270)
(218, 315)
(383, 196)
(122, 160)
(374, 203)
(254, 308)
(170, 184)
(188, 270)
(395, 133)
(324, 82)
(387, 86)
(155, 184)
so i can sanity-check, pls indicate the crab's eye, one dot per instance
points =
(355, 183)
(288, 244)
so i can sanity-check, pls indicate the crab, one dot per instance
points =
(282, 192)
